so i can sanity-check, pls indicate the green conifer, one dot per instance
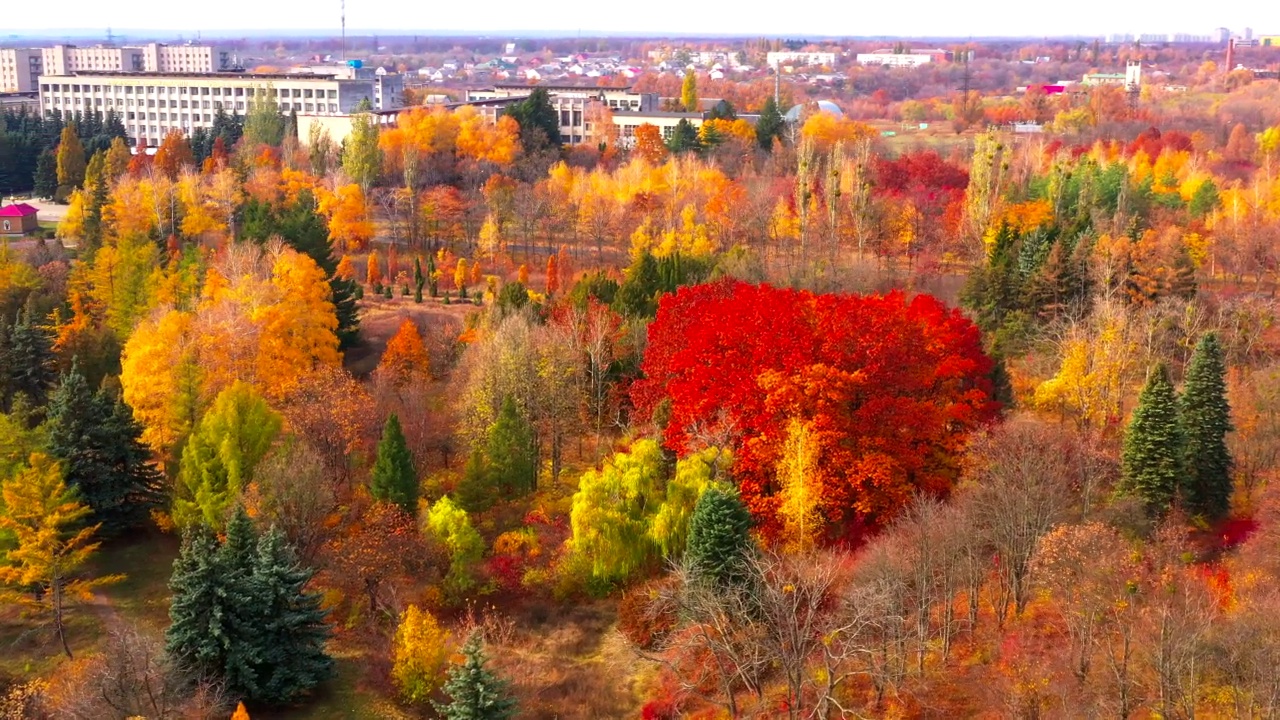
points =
(292, 634)
(97, 440)
(719, 536)
(194, 637)
(1206, 416)
(475, 692)
(1155, 445)
(512, 465)
(26, 362)
(394, 479)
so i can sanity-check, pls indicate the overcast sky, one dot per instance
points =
(907, 18)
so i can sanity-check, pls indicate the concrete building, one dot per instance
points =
(892, 59)
(20, 69)
(388, 88)
(155, 57)
(68, 59)
(19, 101)
(801, 59)
(152, 104)
(630, 109)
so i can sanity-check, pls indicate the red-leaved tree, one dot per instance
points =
(877, 392)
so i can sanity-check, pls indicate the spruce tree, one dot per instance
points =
(26, 362)
(292, 635)
(475, 490)
(97, 440)
(719, 536)
(194, 637)
(475, 692)
(512, 465)
(770, 125)
(1154, 457)
(394, 479)
(1206, 417)
(242, 609)
(45, 181)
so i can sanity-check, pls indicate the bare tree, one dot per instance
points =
(1020, 488)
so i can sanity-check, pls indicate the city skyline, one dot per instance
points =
(824, 18)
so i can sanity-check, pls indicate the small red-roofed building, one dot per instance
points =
(18, 219)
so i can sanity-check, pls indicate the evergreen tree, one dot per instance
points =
(26, 363)
(394, 479)
(539, 122)
(770, 124)
(45, 182)
(684, 138)
(512, 464)
(293, 633)
(97, 440)
(241, 609)
(1206, 417)
(1154, 457)
(475, 490)
(719, 536)
(475, 692)
(195, 635)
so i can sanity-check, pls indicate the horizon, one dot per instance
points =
(823, 19)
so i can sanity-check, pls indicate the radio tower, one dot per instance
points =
(343, 54)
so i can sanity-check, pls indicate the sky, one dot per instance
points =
(840, 18)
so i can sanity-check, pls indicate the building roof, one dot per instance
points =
(215, 75)
(17, 210)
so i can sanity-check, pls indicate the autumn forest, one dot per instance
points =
(766, 418)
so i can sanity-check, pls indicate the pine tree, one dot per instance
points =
(719, 536)
(195, 635)
(769, 126)
(97, 440)
(394, 479)
(1206, 417)
(26, 363)
(475, 692)
(1154, 456)
(293, 633)
(510, 451)
(46, 177)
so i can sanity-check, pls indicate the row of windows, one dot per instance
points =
(195, 105)
(169, 90)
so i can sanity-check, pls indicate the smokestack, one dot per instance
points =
(1231, 54)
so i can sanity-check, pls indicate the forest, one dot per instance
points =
(764, 420)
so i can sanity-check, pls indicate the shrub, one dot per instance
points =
(419, 655)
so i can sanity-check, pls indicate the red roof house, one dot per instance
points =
(18, 219)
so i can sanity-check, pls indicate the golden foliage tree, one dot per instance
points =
(52, 546)
(419, 655)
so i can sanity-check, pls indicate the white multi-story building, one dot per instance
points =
(801, 59)
(20, 69)
(155, 57)
(893, 59)
(152, 104)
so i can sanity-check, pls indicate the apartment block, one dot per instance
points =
(801, 59)
(152, 104)
(573, 103)
(154, 57)
(20, 69)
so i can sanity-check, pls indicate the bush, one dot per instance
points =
(648, 613)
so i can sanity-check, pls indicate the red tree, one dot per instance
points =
(889, 388)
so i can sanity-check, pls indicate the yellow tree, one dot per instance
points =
(419, 655)
(801, 487)
(373, 274)
(350, 226)
(161, 379)
(51, 543)
(299, 330)
(1098, 364)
